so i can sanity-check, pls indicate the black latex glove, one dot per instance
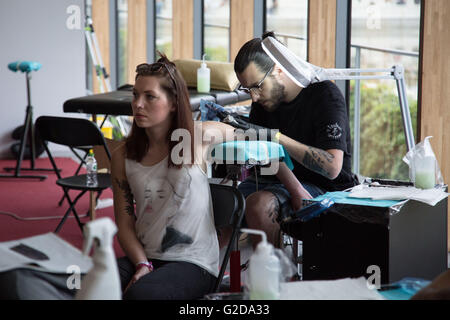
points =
(236, 121)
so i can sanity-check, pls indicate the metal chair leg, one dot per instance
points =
(71, 208)
(82, 161)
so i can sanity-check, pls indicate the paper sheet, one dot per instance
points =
(428, 196)
(60, 255)
(341, 289)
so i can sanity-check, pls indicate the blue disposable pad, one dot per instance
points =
(250, 152)
(343, 198)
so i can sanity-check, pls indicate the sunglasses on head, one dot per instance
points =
(155, 67)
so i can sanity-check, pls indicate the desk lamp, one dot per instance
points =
(304, 74)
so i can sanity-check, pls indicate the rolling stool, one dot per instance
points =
(27, 67)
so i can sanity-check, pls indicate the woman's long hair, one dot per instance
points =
(171, 81)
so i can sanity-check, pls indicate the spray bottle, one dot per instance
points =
(264, 270)
(203, 77)
(102, 282)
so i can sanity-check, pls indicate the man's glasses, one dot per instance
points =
(256, 89)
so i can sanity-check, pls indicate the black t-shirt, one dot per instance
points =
(317, 117)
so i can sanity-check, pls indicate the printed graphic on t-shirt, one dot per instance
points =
(173, 237)
(156, 194)
(334, 131)
(166, 195)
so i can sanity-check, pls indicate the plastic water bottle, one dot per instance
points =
(91, 168)
(264, 270)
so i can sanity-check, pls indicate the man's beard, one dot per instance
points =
(277, 96)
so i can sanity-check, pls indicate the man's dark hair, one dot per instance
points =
(252, 51)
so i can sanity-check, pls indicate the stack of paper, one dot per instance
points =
(342, 289)
(47, 252)
(429, 196)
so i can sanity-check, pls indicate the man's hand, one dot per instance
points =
(262, 133)
(297, 195)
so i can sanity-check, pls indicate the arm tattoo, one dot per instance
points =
(314, 160)
(129, 198)
(328, 156)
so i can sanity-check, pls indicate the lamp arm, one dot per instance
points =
(396, 73)
(303, 74)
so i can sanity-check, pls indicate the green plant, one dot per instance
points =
(216, 54)
(382, 140)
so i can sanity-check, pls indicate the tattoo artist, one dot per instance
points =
(314, 128)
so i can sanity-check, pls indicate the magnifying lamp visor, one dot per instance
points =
(297, 69)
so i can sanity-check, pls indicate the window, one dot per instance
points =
(384, 33)
(289, 20)
(122, 31)
(163, 12)
(216, 29)
(89, 80)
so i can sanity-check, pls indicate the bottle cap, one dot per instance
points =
(203, 64)
(263, 246)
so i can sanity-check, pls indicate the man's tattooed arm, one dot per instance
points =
(315, 160)
(129, 198)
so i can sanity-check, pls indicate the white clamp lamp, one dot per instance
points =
(304, 73)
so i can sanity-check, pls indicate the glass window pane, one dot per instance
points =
(122, 54)
(163, 10)
(216, 30)
(289, 20)
(89, 84)
(384, 33)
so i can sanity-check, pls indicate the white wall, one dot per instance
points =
(36, 30)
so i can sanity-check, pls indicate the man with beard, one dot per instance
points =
(314, 129)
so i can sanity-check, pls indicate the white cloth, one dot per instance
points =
(174, 212)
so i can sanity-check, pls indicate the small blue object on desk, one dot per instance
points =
(403, 289)
(313, 210)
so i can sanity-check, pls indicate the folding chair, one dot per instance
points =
(229, 207)
(73, 132)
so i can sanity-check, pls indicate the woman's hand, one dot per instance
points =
(137, 275)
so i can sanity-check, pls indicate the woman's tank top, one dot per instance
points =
(174, 213)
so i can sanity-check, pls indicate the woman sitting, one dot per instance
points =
(169, 238)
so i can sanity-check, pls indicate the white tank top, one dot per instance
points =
(174, 213)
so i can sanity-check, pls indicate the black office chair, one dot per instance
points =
(73, 132)
(229, 208)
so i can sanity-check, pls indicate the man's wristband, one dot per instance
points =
(147, 264)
